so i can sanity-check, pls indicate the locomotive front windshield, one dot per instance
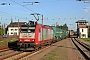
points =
(28, 30)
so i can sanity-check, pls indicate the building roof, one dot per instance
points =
(15, 24)
(81, 21)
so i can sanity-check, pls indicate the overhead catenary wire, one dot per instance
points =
(47, 11)
(32, 10)
(12, 15)
(15, 15)
(86, 14)
(22, 6)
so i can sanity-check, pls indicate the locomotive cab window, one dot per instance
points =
(28, 30)
(31, 30)
(23, 30)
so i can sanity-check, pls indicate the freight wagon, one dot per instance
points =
(57, 33)
(65, 34)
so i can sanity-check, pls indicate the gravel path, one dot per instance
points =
(65, 51)
(62, 50)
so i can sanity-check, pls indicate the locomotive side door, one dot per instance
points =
(40, 34)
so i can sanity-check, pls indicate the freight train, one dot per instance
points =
(33, 35)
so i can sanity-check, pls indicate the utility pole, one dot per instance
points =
(18, 27)
(4, 29)
(42, 27)
(0, 29)
(42, 19)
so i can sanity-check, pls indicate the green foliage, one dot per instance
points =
(6, 29)
(64, 27)
(2, 30)
(89, 34)
(52, 56)
(5, 42)
(86, 39)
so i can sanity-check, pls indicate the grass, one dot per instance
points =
(52, 56)
(56, 54)
(0, 55)
(5, 42)
(86, 39)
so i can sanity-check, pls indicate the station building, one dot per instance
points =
(82, 29)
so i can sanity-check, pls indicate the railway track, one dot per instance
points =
(9, 55)
(3, 50)
(17, 55)
(84, 45)
(21, 55)
(83, 48)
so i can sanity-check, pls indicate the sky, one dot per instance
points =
(53, 11)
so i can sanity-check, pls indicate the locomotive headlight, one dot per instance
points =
(32, 40)
(20, 40)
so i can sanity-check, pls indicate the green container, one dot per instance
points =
(61, 31)
(57, 33)
(65, 33)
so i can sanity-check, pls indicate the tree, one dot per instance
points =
(61, 27)
(57, 26)
(6, 29)
(64, 27)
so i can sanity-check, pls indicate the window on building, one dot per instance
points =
(83, 35)
(15, 29)
(11, 29)
(82, 30)
(11, 32)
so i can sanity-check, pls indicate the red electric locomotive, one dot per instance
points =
(33, 35)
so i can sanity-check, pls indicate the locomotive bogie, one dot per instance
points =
(27, 46)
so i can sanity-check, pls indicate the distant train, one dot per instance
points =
(33, 35)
